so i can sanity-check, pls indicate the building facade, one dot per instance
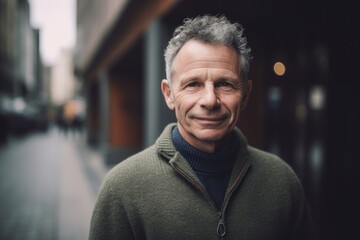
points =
(119, 59)
(20, 62)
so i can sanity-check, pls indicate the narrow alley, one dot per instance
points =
(48, 186)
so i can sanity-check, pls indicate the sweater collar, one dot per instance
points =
(217, 162)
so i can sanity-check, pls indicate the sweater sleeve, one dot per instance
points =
(109, 219)
(302, 222)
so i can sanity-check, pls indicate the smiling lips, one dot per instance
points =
(210, 120)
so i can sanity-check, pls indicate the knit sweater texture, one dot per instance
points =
(155, 194)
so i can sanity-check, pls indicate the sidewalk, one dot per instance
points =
(80, 182)
(48, 187)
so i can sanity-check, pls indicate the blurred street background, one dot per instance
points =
(80, 91)
(48, 185)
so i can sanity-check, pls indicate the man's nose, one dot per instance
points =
(209, 98)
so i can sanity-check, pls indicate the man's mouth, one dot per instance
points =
(210, 120)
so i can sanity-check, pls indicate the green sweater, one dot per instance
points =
(155, 194)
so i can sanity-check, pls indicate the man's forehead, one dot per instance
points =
(197, 55)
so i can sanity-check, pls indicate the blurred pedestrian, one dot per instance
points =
(201, 179)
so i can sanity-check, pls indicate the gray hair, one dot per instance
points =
(213, 30)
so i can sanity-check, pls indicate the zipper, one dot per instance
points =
(221, 228)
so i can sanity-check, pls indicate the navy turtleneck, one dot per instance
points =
(213, 169)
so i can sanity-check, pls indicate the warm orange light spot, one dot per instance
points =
(279, 68)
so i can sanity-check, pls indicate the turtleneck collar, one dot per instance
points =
(218, 162)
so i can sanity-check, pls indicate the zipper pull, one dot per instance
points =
(221, 229)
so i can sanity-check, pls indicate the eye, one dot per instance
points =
(193, 84)
(224, 84)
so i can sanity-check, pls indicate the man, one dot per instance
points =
(201, 180)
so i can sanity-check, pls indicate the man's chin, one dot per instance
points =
(210, 135)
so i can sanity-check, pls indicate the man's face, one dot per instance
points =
(206, 93)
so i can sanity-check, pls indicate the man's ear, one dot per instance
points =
(247, 92)
(166, 90)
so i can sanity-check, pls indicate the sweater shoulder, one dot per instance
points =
(134, 167)
(269, 171)
(270, 165)
(266, 158)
